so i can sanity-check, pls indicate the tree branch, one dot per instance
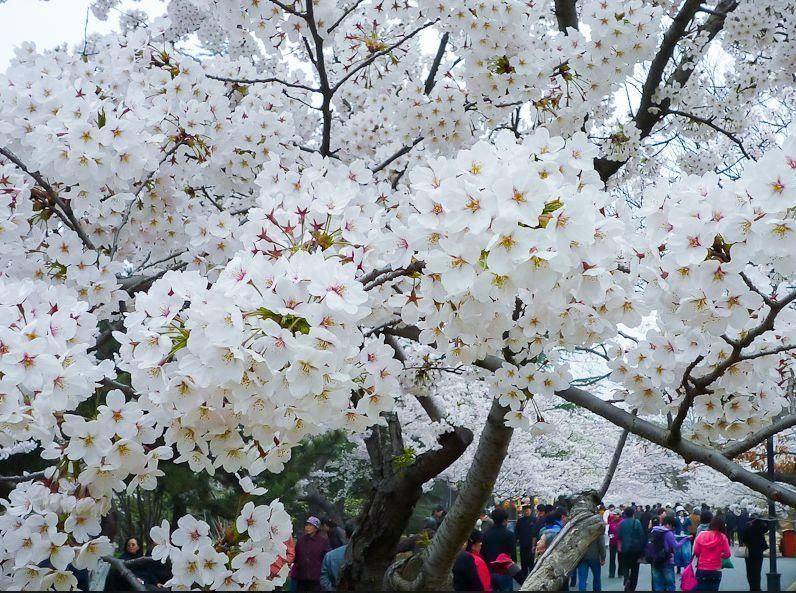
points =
(566, 15)
(120, 566)
(369, 60)
(23, 478)
(645, 119)
(709, 123)
(293, 85)
(66, 214)
(754, 439)
(689, 451)
(609, 474)
(397, 155)
(432, 73)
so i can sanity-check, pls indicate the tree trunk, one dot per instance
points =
(566, 551)
(392, 500)
(460, 520)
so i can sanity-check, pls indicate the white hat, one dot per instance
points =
(680, 508)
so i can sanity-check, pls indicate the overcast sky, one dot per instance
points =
(49, 23)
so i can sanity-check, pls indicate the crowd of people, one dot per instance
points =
(669, 539)
(499, 554)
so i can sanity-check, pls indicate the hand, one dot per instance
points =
(602, 562)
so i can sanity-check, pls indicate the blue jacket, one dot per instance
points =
(330, 569)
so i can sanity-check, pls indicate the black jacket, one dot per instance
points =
(465, 573)
(754, 538)
(525, 531)
(498, 540)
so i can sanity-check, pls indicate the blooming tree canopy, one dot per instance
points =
(247, 197)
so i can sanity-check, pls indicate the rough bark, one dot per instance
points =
(566, 551)
(392, 500)
(460, 520)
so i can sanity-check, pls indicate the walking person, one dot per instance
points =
(741, 525)
(731, 523)
(683, 554)
(660, 554)
(614, 519)
(632, 538)
(310, 550)
(593, 560)
(525, 531)
(711, 546)
(754, 538)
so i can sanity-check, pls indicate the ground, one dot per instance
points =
(733, 579)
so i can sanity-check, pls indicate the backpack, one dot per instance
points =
(655, 552)
(636, 538)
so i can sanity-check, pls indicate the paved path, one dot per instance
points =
(733, 579)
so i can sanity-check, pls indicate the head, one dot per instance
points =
(312, 526)
(131, 546)
(716, 524)
(540, 510)
(328, 525)
(439, 510)
(544, 543)
(526, 510)
(661, 512)
(499, 516)
(628, 514)
(647, 508)
(669, 522)
(474, 541)
(611, 507)
(705, 517)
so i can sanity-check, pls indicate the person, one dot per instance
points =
(705, 517)
(142, 572)
(486, 521)
(741, 524)
(333, 561)
(310, 550)
(498, 540)
(334, 533)
(613, 542)
(694, 516)
(754, 538)
(525, 532)
(731, 522)
(682, 532)
(286, 559)
(711, 546)
(632, 538)
(646, 518)
(554, 521)
(660, 554)
(435, 520)
(593, 560)
(504, 572)
(470, 572)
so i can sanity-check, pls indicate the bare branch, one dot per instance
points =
(611, 471)
(293, 85)
(709, 123)
(407, 271)
(369, 60)
(348, 11)
(65, 213)
(432, 73)
(23, 478)
(397, 155)
(120, 566)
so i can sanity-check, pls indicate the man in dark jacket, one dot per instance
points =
(754, 538)
(499, 540)
(526, 532)
(310, 550)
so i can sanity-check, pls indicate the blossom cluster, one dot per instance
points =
(706, 255)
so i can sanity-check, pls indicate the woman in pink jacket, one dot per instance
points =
(710, 548)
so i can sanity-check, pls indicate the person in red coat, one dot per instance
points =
(470, 572)
(310, 550)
